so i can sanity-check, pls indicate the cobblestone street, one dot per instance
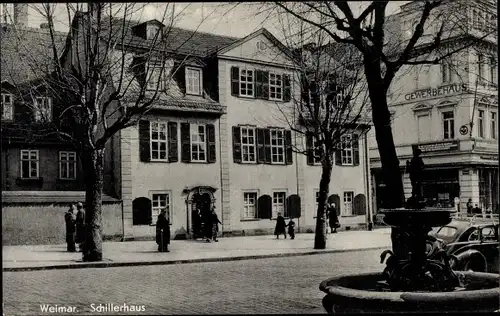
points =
(277, 285)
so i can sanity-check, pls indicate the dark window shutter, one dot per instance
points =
(237, 144)
(338, 150)
(173, 151)
(265, 85)
(211, 157)
(180, 77)
(359, 205)
(287, 93)
(267, 145)
(264, 206)
(293, 205)
(288, 147)
(144, 141)
(258, 84)
(235, 81)
(185, 143)
(355, 149)
(309, 148)
(261, 142)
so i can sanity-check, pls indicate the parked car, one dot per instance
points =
(472, 246)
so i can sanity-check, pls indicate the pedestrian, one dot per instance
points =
(80, 226)
(333, 220)
(291, 228)
(215, 224)
(207, 225)
(280, 226)
(70, 219)
(163, 231)
(469, 207)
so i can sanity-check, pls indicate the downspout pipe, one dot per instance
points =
(367, 181)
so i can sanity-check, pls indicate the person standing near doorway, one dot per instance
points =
(333, 220)
(163, 231)
(80, 226)
(215, 224)
(70, 218)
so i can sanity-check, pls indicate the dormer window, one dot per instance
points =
(152, 30)
(43, 109)
(193, 81)
(7, 106)
(156, 74)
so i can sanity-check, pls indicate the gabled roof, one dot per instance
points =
(268, 35)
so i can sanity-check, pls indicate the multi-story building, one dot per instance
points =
(448, 110)
(219, 135)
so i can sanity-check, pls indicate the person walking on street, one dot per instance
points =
(163, 231)
(291, 228)
(469, 207)
(70, 218)
(215, 224)
(280, 226)
(333, 220)
(80, 225)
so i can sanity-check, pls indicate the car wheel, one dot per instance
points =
(475, 265)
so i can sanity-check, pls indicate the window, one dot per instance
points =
(493, 127)
(348, 198)
(447, 71)
(29, 164)
(193, 81)
(7, 13)
(317, 151)
(160, 201)
(475, 19)
(158, 141)
(248, 144)
(277, 146)
(152, 31)
(7, 108)
(347, 152)
(156, 78)
(279, 204)
(275, 87)
(43, 110)
(480, 65)
(448, 125)
(480, 123)
(67, 165)
(493, 71)
(246, 83)
(480, 20)
(198, 143)
(249, 205)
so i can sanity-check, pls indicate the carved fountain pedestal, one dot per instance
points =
(411, 282)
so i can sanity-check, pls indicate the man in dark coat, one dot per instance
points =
(80, 225)
(163, 232)
(280, 226)
(333, 220)
(70, 218)
(215, 224)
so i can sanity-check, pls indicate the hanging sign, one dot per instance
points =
(464, 130)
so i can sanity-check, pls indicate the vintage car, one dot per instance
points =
(471, 246)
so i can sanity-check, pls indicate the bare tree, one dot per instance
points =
(386, 48)
(102, 80)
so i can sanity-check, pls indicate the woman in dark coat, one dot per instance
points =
(215, 224)
(70, 218)
(80, 225)
(333, 219)
(163, 232)
(280, 226)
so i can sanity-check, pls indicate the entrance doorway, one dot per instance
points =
(200, 209)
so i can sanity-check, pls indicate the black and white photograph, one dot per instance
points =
(274, 157)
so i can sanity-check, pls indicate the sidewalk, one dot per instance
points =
(133, 253)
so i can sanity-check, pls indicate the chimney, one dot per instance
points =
(21, 13)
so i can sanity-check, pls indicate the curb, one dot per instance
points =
(182, 261)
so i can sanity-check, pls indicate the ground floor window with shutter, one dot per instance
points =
(29, 164)
(346, 153)
(277, 146)
(160, 201)
(67, 165)
(279, 199)
(348, 199)
(248, 144)
(198, 143)
(158, 141)
(250, 205)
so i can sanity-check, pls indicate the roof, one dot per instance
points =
(49, 197)
(27, 53)
(175, 39)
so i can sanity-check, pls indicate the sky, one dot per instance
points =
(212, 17)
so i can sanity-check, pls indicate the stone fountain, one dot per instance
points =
(412, 282)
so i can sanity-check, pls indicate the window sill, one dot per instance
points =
(250, 219)
(350, 215)
(249, 97)
(200, 162)
(194, 94)
(249, 162)
(160, 161)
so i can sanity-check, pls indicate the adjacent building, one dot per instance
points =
(449, 111)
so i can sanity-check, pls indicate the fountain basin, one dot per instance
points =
(366, 293)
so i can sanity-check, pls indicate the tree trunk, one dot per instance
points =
(93, 162)
(324, 185)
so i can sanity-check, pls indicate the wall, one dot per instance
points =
(44, 223)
